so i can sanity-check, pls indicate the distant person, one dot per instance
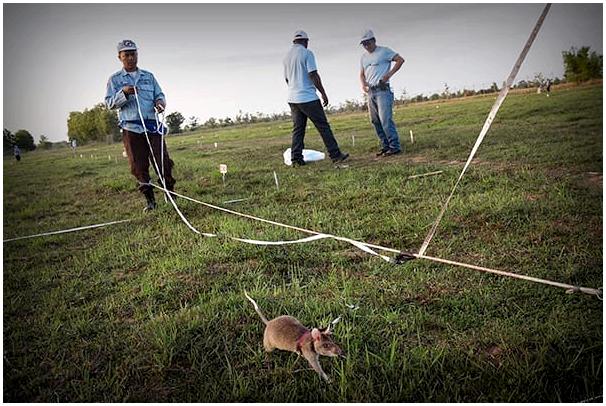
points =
(375, 72)
(548, 87)
(121, 95)
(74, 144)
(301, 75)
(17, 153)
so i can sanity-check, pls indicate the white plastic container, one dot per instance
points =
(309, 155)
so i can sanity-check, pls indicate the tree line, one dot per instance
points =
(96, 124)
(101, 125)
(22, 138)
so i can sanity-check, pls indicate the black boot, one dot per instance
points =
(151, 200)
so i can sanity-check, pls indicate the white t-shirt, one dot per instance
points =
(298, 63)
(376, 64)
(134, 74)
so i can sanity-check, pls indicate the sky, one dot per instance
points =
(213, 60)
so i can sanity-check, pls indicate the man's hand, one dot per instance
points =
(365, 88)
(385, 78)
(324, 100)
(128, 90)
(160, 105)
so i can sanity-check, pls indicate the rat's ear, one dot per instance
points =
(315, 334)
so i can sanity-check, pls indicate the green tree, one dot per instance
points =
(8, 140)
(580, 65)
(24, 140)
(194, 124)
(45, 143)
(96, 124)
(106, 123)
(210, 123)
(174, 121)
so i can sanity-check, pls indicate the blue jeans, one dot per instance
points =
(380, 105)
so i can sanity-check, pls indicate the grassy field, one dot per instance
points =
(148, 311)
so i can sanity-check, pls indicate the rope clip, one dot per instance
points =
(403, 257)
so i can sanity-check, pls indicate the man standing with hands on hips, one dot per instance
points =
(302, 78)
(121, 95)
(375, 72)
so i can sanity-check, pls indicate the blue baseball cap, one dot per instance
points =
(126, 45)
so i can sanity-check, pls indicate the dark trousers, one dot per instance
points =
(313, 110)
(139, 158)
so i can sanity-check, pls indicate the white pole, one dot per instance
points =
(276, 179)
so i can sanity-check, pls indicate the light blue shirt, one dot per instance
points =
(148, 91)
(298, 63)
(376, 64)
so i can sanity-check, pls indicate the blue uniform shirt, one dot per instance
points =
(148, 91)
(376, 64)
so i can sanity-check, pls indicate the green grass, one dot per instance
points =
(148, 311)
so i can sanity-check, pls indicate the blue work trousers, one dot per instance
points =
(380, 107)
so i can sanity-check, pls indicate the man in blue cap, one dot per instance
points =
(121, 95)
(375, 72)
(302, 78)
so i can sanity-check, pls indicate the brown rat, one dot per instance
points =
(287, 333)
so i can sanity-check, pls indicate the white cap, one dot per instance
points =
(300, 35)
(368, 34)
(126, 45)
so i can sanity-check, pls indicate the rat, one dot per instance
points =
(287, 333)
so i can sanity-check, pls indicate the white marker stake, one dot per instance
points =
(276, 179)
(109, 157)
(81, 156)
(223, 170)
(91, 155)
(353, 140)
(412, 139)
(215, 145)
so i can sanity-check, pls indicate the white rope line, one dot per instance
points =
(69, 230)
(569, 288)
(362, 246)
(424, 174)
(366, 248)
(493, 112)
(590, 399)
(192, 228)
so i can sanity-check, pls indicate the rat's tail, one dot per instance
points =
(256, 308)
